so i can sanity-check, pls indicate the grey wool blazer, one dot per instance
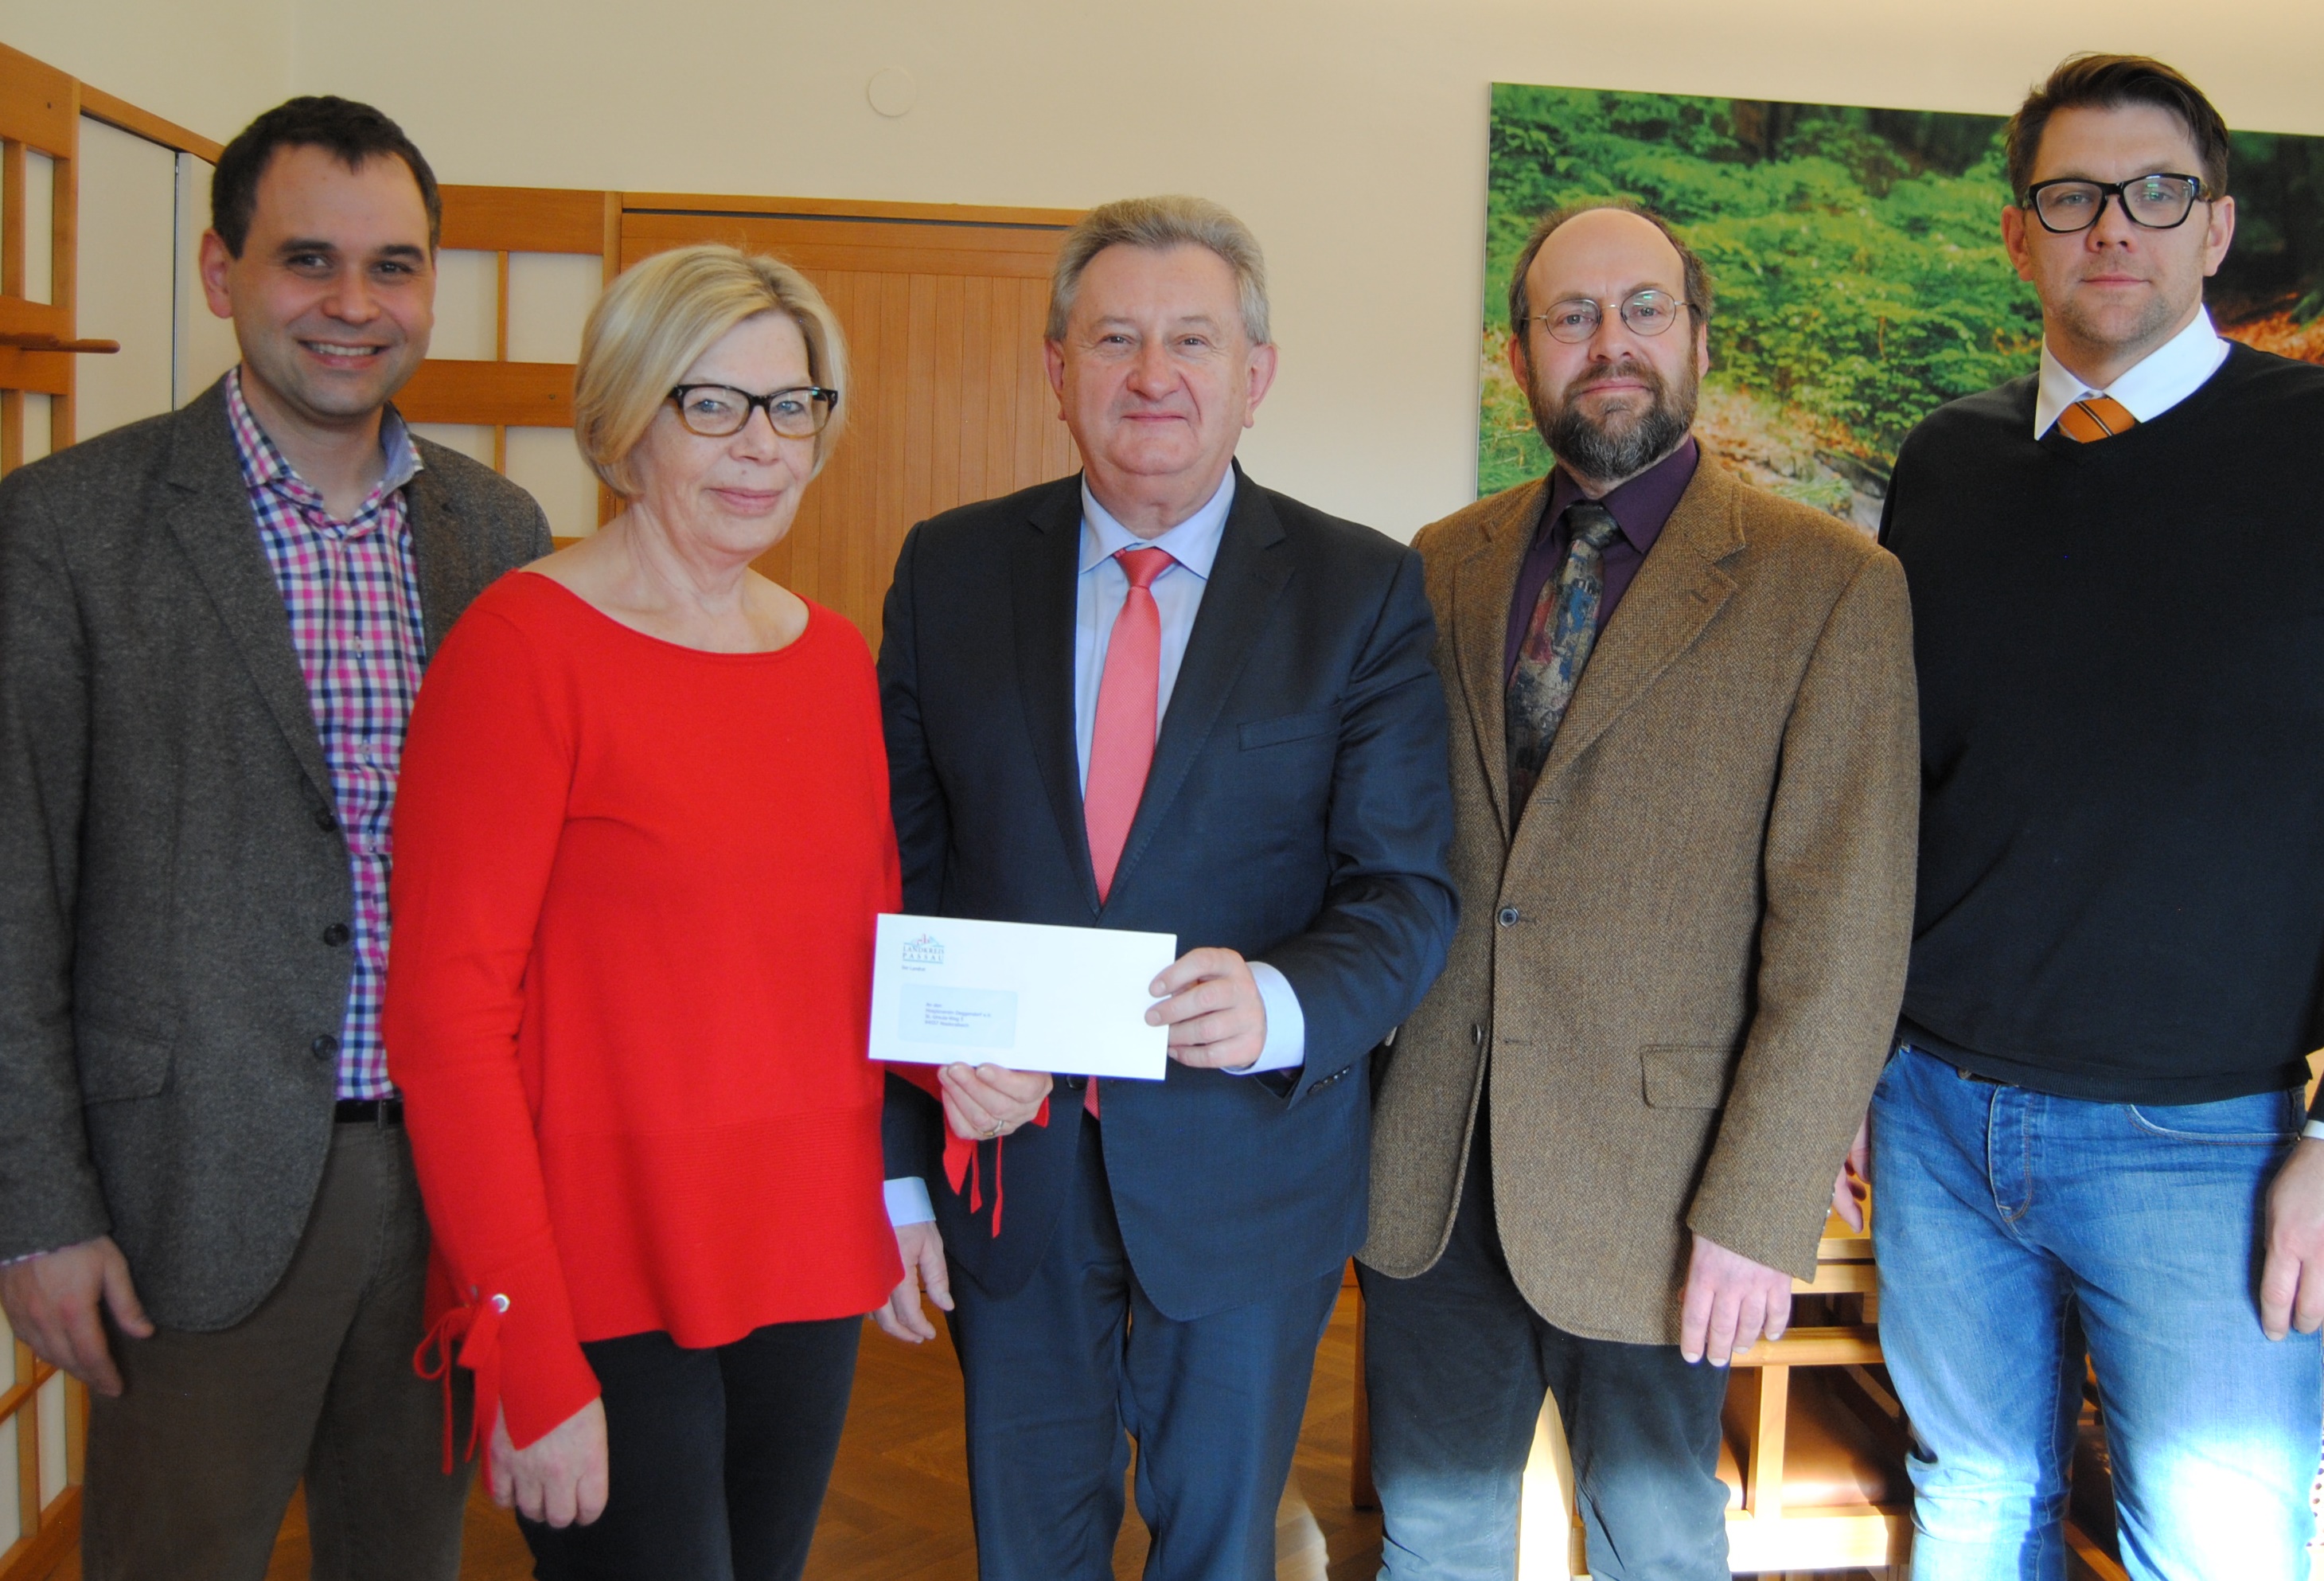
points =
(1680, 972)
(169, 858)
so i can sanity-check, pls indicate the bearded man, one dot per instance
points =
(1684, 801)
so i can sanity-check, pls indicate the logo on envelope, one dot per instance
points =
(922, 951)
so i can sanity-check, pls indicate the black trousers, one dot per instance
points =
(716, 1459)
(1455, 1364)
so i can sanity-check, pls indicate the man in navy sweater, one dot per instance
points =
(2091, 1132)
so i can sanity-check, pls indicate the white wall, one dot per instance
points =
(208, 65)
(127, 254)
(1350, 135)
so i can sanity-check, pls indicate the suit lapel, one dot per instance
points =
(1482, 585)
(1047, 557)
(212, 522)
(1254, 562)
(445, 553)
(1677, 592)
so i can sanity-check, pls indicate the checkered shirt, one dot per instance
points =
(352, 589)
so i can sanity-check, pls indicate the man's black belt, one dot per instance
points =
(370, 1112)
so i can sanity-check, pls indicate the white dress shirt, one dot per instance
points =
(2155, 384)
(1099, 590)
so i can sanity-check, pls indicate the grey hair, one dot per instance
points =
(1159, 224)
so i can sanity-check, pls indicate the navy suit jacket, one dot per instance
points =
(1297, 811)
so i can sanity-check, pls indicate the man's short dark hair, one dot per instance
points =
(2109, 82)
(1697, 283)
(351, 132)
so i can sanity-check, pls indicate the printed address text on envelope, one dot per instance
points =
(1032, 997)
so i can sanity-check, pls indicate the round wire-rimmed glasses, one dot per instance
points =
(1576, 320)
(2071, 204)
(718, 412)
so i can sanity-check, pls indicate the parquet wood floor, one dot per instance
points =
(897, 1509)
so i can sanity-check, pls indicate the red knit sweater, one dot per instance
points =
(627, 999)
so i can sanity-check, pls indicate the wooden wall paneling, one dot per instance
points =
(974, 351)
(40, 110)
(525, 220)
(502, 394)
(64, 270)
(44, 1413)
(948, 401)
(39, 105)
(499, 351)
(101, 106)
(495, 393)
(12, 284)
(19, 1402)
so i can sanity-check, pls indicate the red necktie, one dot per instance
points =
(1121, 747)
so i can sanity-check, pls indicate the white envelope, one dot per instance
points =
(1068, 999)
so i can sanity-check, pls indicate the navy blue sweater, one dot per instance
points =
(2121, 654)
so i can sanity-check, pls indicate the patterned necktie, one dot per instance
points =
(2094, 418)
(1121, 746)
(1556, 645)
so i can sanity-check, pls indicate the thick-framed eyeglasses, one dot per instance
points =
(718, 410)
(1576, 320)
(2161, 201)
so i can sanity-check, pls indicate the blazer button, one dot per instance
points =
(336, 934)
(324, 1046)
(1508, 917)
(1477, 1035)
(325, 820)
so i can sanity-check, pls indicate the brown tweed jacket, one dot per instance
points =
(1687, 962)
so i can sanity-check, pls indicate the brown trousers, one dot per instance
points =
(190, 1470)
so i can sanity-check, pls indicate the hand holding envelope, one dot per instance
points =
(985, 1101)
(990, 1000)
(1071, 1001)
(1216, 1017)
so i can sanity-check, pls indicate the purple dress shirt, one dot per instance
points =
(1640, 508)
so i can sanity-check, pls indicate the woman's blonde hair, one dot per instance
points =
(660, 315)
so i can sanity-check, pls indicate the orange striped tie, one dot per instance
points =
(2094, 418)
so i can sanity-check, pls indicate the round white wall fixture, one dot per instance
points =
(892, 92)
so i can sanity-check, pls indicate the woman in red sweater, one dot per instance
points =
(640, 838)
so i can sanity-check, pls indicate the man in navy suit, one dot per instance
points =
(1158, 697)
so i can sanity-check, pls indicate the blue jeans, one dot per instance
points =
(2013, 1228)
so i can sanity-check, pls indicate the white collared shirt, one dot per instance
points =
(1102, 588)
(2158, 382)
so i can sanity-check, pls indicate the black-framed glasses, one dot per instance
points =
(1576, 320)
(717, 411)
(2161, 201)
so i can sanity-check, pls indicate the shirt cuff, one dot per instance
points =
(2314, 1128)
(907, 1202)
(1287, 1023)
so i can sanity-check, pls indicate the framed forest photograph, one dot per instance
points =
(1857, 263)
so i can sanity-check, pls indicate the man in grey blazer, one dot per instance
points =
(211, 624)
